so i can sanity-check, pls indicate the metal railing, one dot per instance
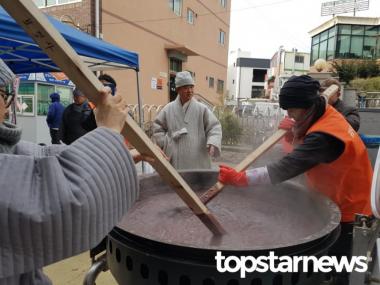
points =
(369, 100)
(258, 121)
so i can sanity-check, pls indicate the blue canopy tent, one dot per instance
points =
(23, 55)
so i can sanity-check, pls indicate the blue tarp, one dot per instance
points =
(23, 55)
(370, 141)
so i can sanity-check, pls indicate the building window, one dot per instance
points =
(257, 91)
(324, 36)
(371, 31)
(211, 82)
(356, 50)
(315, 40)
(220, 87)
(314, 52)
(190, 16)
(223, 3)
(323, 49)
(43, 92)
(222, 36)
(346, 41)
(259, 75)
(332, 31)
(26, 89)
(48, 3)
(26, 99)
(358, 30)
(369, 48)
(27, 105)
(299, 59)
(331, 48)
(176, 6)
(175, 65)
(343, 47)
(65, 94)
(344, 29)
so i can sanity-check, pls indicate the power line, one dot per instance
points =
(201, 15)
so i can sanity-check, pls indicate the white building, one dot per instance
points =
(246, 76)
(288, 63)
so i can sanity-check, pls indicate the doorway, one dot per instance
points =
(172, 91)
(175, 65)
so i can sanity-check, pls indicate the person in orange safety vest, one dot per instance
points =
(330, 152)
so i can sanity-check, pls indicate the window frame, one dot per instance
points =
(222, 37)
(20, 99)
(260, 75)
(190, 20)
(46, 5)
(211, 82)
(218, 89)
(223, 3)
(367, 51)
(354, 40)
(176, 63)
(299, 57)
(172, 6)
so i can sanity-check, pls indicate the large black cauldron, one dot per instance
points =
(161, 242)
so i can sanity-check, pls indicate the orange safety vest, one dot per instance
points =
(347, 180)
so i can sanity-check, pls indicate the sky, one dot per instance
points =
(261, 26)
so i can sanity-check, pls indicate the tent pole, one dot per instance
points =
(141, 119)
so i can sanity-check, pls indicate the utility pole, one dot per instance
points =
(277, 80)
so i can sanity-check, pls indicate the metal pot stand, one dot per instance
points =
(366, 241)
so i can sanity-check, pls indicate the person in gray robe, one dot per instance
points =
(58, 201)
(186, 130)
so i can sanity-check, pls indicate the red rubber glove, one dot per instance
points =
(230, 176)
(286, 124)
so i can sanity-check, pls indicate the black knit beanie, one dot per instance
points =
(299, 92)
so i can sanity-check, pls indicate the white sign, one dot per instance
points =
(24, 106)
(153, 83)
(163, 74)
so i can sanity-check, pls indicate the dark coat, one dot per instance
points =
(55, 112)
(73, 117)
(350, 113)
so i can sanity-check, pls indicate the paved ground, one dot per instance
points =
(71, 271)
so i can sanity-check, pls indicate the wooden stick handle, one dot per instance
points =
(218, 187)
(35, 23)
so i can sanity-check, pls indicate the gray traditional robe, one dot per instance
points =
(185, 134)
(58, 201)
